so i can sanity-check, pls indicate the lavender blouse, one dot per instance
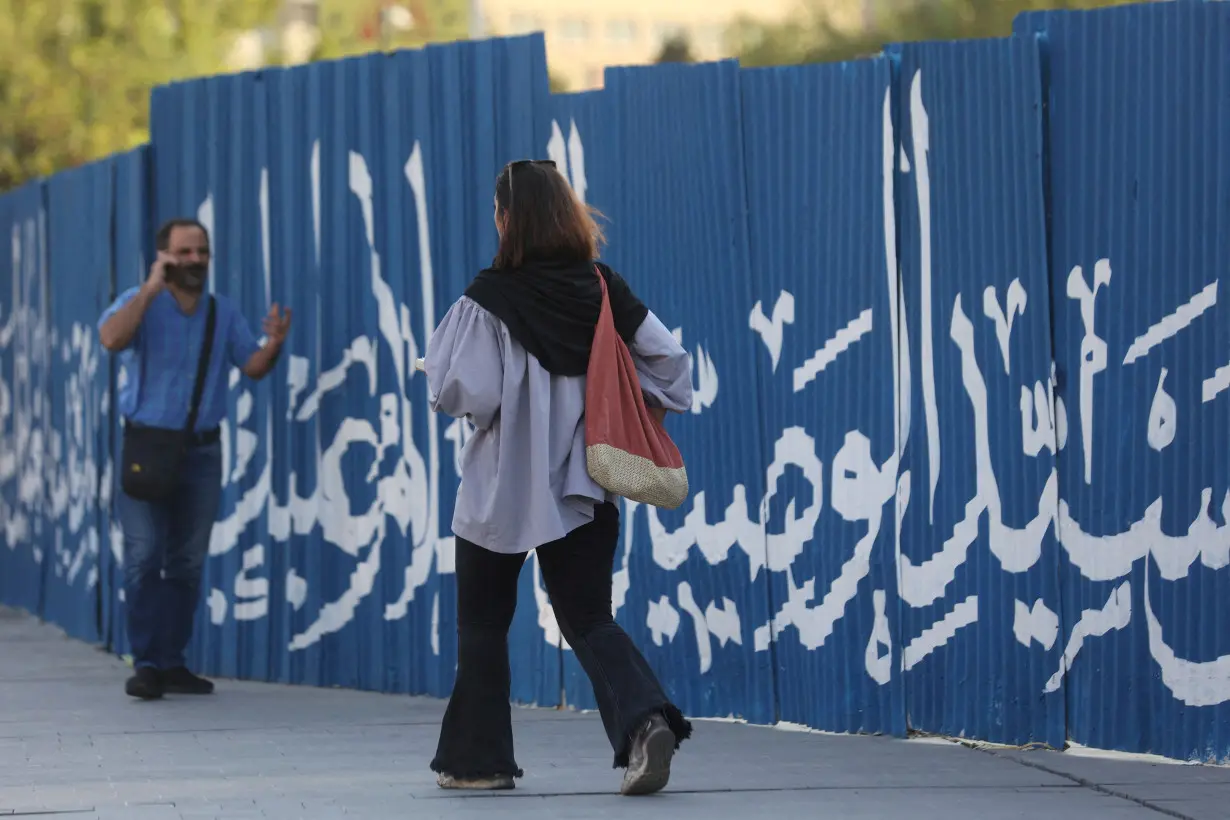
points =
(523, 477)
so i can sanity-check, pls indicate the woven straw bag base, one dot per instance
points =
(636, 478)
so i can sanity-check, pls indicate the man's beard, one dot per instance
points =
(190, 277)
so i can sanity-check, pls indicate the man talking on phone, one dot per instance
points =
(177, 344)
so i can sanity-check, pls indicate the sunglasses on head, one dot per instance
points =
(520, 163)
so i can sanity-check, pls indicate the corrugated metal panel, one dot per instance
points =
(979, 598)
(79, 204)
(295, 267)
(131, 251)
(695, 597)
(1139, 109)
(234, 639)
(420, 649)
(352, 502)
(822, 332)
(435, 219)
(25, 418)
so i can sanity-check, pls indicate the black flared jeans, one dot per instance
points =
(476, 737)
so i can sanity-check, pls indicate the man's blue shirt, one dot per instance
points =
(160, 362)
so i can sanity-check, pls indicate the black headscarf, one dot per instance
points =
(551, 309)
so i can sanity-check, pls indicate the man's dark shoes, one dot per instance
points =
(146, 684)
(179, 681)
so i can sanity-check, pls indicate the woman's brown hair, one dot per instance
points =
(542, 217)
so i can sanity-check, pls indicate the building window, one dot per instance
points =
(524, 24)
(621, 31)
(574, 29)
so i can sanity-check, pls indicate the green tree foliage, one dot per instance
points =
(75, 75)
(676, 49)
(812, 36)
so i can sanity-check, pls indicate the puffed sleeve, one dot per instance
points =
(664, 367)
(465, 365)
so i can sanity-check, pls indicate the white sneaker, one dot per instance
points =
(649, 761)
(499, 782)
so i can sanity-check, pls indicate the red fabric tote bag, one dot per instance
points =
(627, 451)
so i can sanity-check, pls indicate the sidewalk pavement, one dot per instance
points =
(71, 743)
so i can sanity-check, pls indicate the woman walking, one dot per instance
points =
(511, 356)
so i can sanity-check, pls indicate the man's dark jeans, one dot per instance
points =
(165, 546)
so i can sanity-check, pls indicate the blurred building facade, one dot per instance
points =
(586, 36)
(583, 37)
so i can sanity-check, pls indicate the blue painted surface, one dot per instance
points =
(25, 411)
(814, 148)
(891, 528)
(977, 540)
(79, 209)
(1147, 203)
(131, 252)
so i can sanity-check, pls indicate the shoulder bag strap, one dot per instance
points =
(211, 319)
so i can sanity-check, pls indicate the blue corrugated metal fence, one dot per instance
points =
(958, 361)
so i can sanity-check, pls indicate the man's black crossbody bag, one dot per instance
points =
(152, 457)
